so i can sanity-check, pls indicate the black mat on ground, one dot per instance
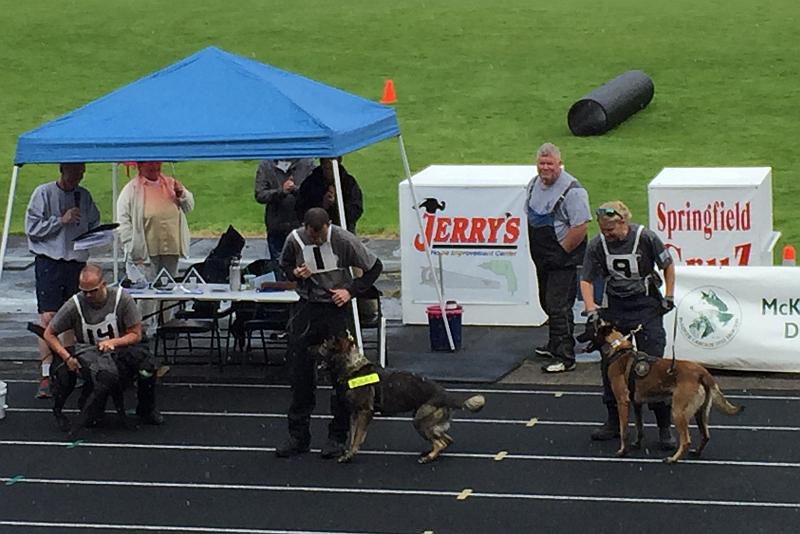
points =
(487, 353)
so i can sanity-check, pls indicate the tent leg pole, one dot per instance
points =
(337, 180)
(439, 289)
(7, 224)
(114, 193)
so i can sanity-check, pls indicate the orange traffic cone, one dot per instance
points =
(388, 93)
(789, 257)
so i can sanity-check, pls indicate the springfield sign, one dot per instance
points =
(474, 219)
(714, 216)
(743, 319)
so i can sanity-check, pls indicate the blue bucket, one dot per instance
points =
(438, 334)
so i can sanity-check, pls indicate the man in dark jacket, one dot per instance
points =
(277, 184)
(319, 257)
(319, 191)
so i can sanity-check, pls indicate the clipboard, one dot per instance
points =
(96, 230)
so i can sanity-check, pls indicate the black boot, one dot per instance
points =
(662, 411)
(609, 429)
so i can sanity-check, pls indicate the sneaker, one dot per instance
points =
(606, 431)
(560, 367)
(153, 418)
(332, 449)
(44, 389)
(545, 351)
(666, 441)
(291, 448)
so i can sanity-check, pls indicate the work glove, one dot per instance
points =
(592, 322)
(667, 305)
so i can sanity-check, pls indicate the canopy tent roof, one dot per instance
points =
(212, 105)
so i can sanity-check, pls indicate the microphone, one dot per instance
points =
(76, 195)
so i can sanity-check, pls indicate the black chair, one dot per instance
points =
(201, 322)
(370, 315)
(266, 322)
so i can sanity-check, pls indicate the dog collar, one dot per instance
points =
(365, 380)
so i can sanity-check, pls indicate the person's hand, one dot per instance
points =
(302, 272)
(340, 297)
(593, 318)
(71, 215)
(667, 304)
(73, 364)
(178, 188)
(288, 185)
(329, 198)
(107, 345)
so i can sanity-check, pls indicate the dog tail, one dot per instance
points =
(720, 402)
(474, 403)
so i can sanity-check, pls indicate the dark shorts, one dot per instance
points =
(56, 282)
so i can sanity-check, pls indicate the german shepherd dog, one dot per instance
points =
(635, 376)
(94, 395)
(371, 389)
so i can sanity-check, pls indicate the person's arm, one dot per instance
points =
(93, 214)
(355, 204)
(59, 324)
(38, 224)
(669, 280)
(267, 188)
(574, 237)
(124, 217)
(587, 293)
(366, 280)
(186, 198)
(287, 260)
(132, 336)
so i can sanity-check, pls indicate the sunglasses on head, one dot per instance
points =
(607, 212)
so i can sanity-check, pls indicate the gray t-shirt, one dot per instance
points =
(68, 318)
(348, 252)
(649, 253)
(573, 211)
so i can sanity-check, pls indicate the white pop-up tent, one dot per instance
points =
(212, 105)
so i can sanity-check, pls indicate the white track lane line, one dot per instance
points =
(399, 492)
(383, 452)
(165, 528)
(543, 392)
(472, 420)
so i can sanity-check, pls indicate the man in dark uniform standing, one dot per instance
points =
(626, 255)
(557, 206)
(319, 257)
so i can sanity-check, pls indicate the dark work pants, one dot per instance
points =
(310, 323)
(628, 314)
(557, 291)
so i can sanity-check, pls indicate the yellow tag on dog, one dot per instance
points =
(365, 380)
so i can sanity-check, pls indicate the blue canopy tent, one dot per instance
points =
(212, 105)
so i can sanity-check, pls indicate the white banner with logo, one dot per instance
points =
(734, 318)
(474, 219)
(714, 215)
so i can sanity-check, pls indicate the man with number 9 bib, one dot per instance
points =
(625, 256)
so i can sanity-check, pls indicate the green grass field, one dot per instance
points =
(477, 82)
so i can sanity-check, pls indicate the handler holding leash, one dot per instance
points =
(625, 255)
(105, 321)
(318, 257)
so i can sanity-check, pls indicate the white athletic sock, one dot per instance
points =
(45, 370)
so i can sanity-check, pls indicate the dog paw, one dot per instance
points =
(622, 452)
(694, 452)
(345, 458)
(669, 460)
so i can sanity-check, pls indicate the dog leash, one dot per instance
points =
(674, 337)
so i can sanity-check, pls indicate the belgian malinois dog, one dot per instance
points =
(635, 376)
(371, 389)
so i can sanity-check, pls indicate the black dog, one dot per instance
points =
(129, 365)
(371, 389)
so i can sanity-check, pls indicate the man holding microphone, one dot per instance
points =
(57, 213)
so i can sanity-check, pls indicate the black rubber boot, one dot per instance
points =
(610, 429)
(662, 411)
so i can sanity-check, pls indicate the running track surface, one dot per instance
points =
(524, 464)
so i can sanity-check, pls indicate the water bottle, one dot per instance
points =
(235, 275)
